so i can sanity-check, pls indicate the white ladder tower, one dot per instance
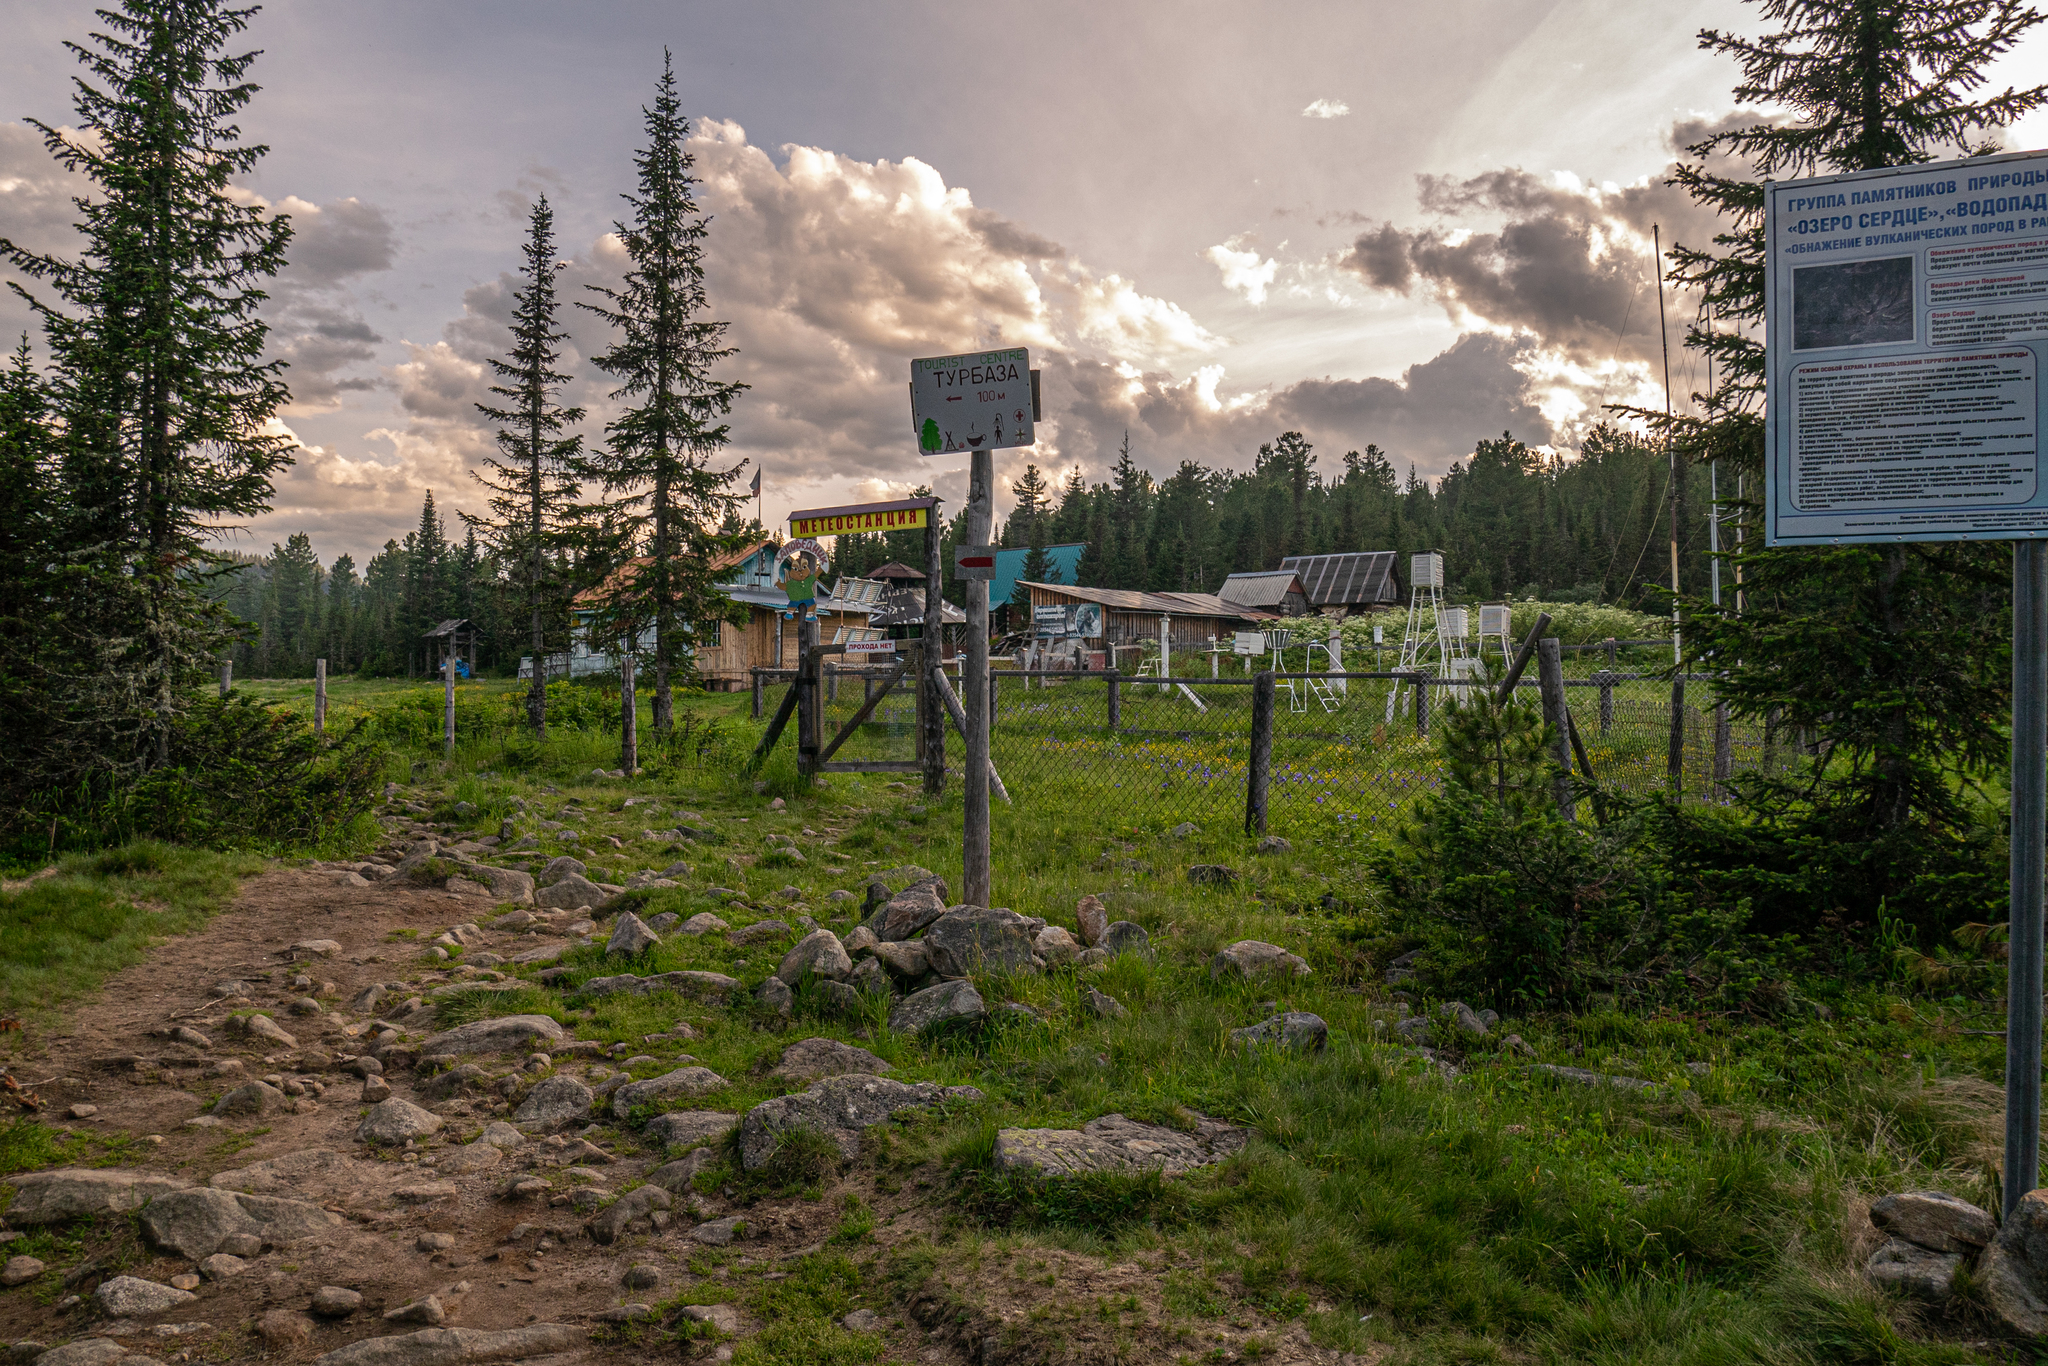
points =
(1436, 633)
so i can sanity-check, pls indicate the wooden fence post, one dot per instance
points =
(756, 672)
(1116, 709)
(227, 677)
(1259, 771)
(1724, 758)
(319, 697)
(1674, 764)
(629, 718)
(448, 701)
(1550, 683)
(807, 661)
(1606, 680)
(1421, 704)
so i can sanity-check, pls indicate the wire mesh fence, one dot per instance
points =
(1347, 750)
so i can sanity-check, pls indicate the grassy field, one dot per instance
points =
(1489, 1215)
(1461, 1210)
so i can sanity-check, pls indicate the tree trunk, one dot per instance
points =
(664, 617)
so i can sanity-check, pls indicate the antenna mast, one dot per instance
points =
(1664, 332)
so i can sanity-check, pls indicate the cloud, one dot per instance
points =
(1242, 270)
(36, 214)
(1326, 109)
(317, 324)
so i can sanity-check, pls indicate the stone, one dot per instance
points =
(1116, 1144)
(678, 1176)
(457, 1346)
(426, 1193)
(395, 1120)
(573, 893)
(702, 923)
(187, 1282)
(971, 939)
(689, 1128)
(836, 998)
(684, 1081)
(1056, 946)
(1934, 1220)
(616, 1218)
(501, 1135)
(84, 1352)
(2012, 1275)
(946, 1003)
(1464, 1020)
(663, 922)
(82, 1111)
(462, 886)
(555, 1102)
(862, 1321)
(1294, 1029)
(316, 948)
(560, 867)
(364, 1066)
(641, 1276)
(1100, 1006)
(1273, 844)
(1251, 958)
(881, 887)
(263, 1027)
(631, 935)
(469, 1159)
(195, 1223)
(775, 994)
(222, 1266)
(870, 978)
(905, 961)
(1093, 918)
(66, 1193)
(503, 885)
(859, 939)
(453, 1082)
(284, 1328)
(818, 954)
(839, 1107)
(760, 932)
(909, 912)
(714, 985)
(718, 1232)
(723, 1317)
(20, 1271)
(131, 1297)
(500, 1035)
(1183, 830)
(336, 1302)
(231, 987)
(1126, 936)
(1211, 875)
(375, 1090)
(810, 1059)
(1909, 1269)
(427, 1310)
(1580, 1076)
(244, 1245)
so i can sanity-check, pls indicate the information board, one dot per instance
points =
(906, 514)
(975, 402)
(1906, 314)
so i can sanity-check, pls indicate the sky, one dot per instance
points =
(1410, 226)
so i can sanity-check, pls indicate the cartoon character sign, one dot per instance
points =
(798, 565)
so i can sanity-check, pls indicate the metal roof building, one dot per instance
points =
(1352, 582)
(1270, 590)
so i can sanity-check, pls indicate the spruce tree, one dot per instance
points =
(532, 480)
(659, 451)
(158, 381)
(1892, 658)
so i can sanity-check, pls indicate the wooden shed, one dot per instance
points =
(1193, 620)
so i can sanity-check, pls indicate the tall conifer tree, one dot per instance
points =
(659, 451)
(1892, 657)
(532, 479)
(159, 384)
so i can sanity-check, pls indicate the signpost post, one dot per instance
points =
(975, 403)
(1906, 319)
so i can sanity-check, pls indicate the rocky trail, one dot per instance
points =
(284, 1151)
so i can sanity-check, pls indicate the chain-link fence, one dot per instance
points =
(1346, 750)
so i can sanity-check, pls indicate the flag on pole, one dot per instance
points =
(756, 489)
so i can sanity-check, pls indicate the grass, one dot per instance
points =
(62, 935)
(1497, 1215)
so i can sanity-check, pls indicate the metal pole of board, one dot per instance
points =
(319, 697)
(2029, 819)
(974, 873)
(933, 657)
(448, 698)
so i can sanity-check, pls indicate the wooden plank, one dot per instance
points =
(959, 714)
(873, 766)
(867, 709)
(782, 715)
